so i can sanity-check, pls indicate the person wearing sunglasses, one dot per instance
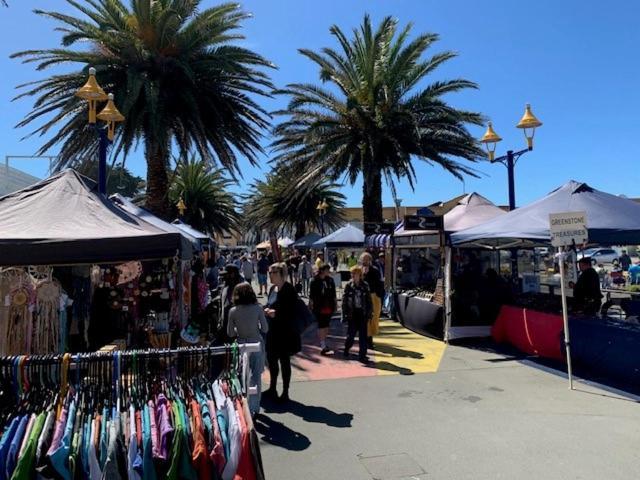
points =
(283, 339)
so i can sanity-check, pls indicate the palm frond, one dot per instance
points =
(177, 76)
(382, 118)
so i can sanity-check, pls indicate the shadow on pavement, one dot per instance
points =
(390, 367)
(278, 434)
(396, 352)
(310, 413)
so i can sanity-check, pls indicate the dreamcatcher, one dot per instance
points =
(13, 277)
(19, 321)
(47, 319)
(40, 273)
(15, 287)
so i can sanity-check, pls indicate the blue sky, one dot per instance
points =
(575, 61)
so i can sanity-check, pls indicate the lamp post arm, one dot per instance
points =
(515, 155)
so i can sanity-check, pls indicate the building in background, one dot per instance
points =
(12, 179)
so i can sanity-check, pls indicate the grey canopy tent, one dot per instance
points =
(307, 241)
(63, 220)
(196, 238)
(611, 220)
(202, 238)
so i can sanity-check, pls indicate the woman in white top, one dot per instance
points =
(248, 323)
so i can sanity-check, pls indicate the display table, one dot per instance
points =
(533, 332)
(420, 315)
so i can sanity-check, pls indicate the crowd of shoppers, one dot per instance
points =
(274, 324)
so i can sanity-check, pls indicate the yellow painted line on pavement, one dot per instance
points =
(399, 350)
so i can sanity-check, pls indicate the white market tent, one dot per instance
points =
(282, 242)
(196, 238)
(347, 236)
(285, 242)
(472, 209)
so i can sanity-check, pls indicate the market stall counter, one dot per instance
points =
(601, 345)
(420, 314)
(531, 331)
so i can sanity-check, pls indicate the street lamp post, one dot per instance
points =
(182, 207)
(528, 123)
(93, 93)
(322, 208)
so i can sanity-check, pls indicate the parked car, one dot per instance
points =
(599, 255)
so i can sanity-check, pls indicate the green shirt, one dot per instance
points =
(24, 467)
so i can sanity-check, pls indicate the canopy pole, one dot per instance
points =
(565, 317)
(447, 293)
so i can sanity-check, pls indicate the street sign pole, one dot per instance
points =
(567, 228)
(565, 317)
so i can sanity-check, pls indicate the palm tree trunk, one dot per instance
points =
(372, 196)
(275, 248)
(157, 181)
(301, 229)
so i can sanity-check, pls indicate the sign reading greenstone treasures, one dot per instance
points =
(568, 228)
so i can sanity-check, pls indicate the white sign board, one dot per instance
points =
(567, 228)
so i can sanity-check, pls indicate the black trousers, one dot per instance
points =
(357, 325)
(273, 357)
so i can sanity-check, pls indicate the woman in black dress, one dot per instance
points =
(283, 339)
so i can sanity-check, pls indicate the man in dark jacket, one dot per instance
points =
(323, 303)
(586, 292)
(356, 311)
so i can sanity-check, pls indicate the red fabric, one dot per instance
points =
(139, 428)
(533, 332)
(217, 453)
(246, 469)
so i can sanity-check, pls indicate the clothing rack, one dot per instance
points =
(75, 359)
(91, 427)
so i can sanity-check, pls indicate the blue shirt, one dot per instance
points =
(5, 443)
(16, 441)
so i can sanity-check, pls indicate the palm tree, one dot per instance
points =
(211, 207)
(272, 206)
(377, 116)
(176, 75)
(119, 179)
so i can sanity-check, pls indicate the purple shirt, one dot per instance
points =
(59, 430)
(166, 430)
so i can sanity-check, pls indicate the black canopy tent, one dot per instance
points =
(63, 220)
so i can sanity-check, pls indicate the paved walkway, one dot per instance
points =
(481, 415)
(397, 351)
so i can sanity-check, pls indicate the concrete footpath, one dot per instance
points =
(481, 415)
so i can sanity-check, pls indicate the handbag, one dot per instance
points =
(303, 316)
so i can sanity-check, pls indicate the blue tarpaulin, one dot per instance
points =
(611, 220)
